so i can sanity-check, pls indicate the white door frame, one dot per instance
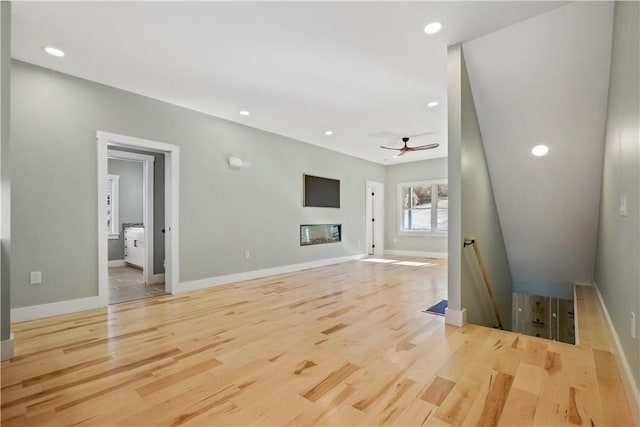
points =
(374, 209)
(147, 205)
(172, 157)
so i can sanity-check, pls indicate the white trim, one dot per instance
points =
(257, 274)
(172, 219)
(103, 246)
(117, 263)
(455, 317)
(147, 203)
(576, 332)
(172, 188)
(33, 312)
(23, 314)
(157, 278)
(397, 252)
(422, 234)
(114, 231)
(583, 284)
(6, 348)
(434, 216)
(132, 157)
(630, 387)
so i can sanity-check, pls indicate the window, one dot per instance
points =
(424, 207)
(113, 228)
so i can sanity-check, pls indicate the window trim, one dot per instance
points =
(403, 232)
(113, 233)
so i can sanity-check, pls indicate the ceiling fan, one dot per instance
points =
(407, 148)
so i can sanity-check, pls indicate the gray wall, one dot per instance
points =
(617, 271)
(158, 206)
(223, 212)
(408, 172)
(130, 198)
(531, 87)
(5, 180)
(480, 220)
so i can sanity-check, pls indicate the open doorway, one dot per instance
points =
(138, 181)
(135, 218)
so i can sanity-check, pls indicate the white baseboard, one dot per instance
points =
(630, 387)
(576, 330)
(117, 263)
(23, 314)
(455, 317)
(33, 312)
(257, 274)
(440, 255)
(157, 278)
(6, 348)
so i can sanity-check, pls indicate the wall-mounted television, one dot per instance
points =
(321, 192)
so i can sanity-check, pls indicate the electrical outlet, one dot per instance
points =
(633, 325)
(247, 254)
(36, 277)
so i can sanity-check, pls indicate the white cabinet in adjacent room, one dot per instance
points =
(134, 246)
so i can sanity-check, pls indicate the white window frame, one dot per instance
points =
(113, 189)
(434, 218)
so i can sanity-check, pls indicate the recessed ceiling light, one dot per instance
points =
(328, 132)
(433, 28)
(432, 104)
(244, 113)
(540, 150)
(53, 51)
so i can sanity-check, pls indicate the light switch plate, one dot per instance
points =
(623, 205)
(36, 277)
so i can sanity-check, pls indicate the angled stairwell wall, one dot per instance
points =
(475, 212)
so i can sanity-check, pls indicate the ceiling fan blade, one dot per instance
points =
(422, 134)
(400, 153)
(424, 147)
(388, 148)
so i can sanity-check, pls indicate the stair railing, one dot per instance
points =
(473, 241)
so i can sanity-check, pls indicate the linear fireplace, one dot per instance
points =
(317, 234)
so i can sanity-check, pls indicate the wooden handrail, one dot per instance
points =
(472, 241)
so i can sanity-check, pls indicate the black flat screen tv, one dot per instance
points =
(321, 192)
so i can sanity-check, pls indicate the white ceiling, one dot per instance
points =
(545, 81)
(365, 70)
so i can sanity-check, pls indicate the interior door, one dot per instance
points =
(374, 218)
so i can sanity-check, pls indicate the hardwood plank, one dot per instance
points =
(519, 409)
(437, 391)
(615, 408)
(496, 399)
(331, 381)
(345, 344)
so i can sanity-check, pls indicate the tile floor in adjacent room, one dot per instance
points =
(127, 284)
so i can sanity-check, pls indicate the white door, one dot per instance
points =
(374, 218)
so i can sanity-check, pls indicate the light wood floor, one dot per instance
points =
(341, 345)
